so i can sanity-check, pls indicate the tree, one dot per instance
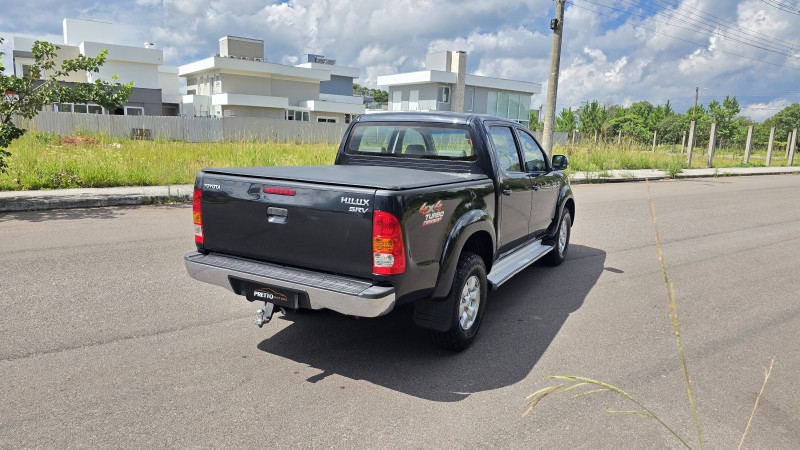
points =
(380, 96)
(567, 121)
(592, 116)
(723, 114)
(377, 95)
(26, 95)
(631, 125)
(785, 121)
(533, 121)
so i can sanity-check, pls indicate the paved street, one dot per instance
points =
(105, 342)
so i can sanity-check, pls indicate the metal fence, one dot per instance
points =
(189, 129)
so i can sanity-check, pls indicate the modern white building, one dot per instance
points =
(445, 86)
(238, 82)
(155, 86)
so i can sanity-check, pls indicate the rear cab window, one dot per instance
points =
(412, 140)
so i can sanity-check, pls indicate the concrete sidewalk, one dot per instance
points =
(143, 195)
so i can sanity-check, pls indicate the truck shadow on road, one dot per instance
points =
(522, 319)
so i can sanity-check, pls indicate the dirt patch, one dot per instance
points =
(78, 140)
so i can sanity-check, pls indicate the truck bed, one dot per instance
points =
(389, 178)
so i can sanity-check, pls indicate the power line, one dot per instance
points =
(782, 6)
(696, 27)
(717, 27)
(572, 2)
(708, 16)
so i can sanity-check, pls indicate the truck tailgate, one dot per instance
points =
(326, 227)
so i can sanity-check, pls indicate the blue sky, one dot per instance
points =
(615, 51)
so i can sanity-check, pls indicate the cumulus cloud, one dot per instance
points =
(640, 51)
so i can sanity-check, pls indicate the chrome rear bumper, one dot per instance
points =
(345, 295)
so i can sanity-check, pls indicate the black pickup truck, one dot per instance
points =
(429, 208)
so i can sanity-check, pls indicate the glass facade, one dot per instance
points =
(509, 105)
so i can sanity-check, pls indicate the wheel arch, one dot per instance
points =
(472, 232)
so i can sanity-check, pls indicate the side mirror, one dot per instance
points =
(560, 162)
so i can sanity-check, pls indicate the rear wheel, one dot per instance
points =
(468, 299)
(559, 253)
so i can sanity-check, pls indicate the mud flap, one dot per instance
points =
(434, 314)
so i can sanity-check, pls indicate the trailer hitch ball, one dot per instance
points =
(264, 315)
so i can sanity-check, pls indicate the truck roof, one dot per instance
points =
(427, 116)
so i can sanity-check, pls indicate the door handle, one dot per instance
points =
(506, 191)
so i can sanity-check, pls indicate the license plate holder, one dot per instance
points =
(278, 296)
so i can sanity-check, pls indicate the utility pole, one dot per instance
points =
(557, 25)
(696, 98)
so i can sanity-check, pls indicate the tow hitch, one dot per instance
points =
(264, 315)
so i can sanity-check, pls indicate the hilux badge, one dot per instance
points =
(433, 213)
(357, 205)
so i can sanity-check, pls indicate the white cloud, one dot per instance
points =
(628, 58)
(761, 111)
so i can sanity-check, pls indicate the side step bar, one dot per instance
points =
(515, 262)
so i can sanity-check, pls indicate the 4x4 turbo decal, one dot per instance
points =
(433, 213)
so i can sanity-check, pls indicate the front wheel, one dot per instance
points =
(468, 299)
(559, 253)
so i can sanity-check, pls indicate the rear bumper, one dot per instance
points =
(349, 296)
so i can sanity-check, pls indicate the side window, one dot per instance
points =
(505, 148)
(532, 154)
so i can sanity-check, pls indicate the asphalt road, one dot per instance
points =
(106, 343)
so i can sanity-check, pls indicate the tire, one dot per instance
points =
(559, 253)
(468, 299)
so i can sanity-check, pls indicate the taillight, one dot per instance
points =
(388, 252)
(197, 216)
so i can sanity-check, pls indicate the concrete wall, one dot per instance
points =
(251, 111)
(295, 91)
(242, 84)
(338, 85)
(142, 76)
(189, 129)
(241, 47)
(439, 61)
(169, 85)
(66, 52)
(79, 30)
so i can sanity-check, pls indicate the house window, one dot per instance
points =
(297, 115)
(413, 100)
(321, 119)
(26, 69)
(397, 98)
(94, 109)
(134, 111)
(348, 118)
(491, 105)
(469, 103)
(443, 95)
(63, 107)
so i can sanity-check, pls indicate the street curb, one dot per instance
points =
(680, 176)
(40, 203)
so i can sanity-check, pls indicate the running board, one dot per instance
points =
(515, 262)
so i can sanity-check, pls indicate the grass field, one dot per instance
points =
(45, 161)
(41, 161)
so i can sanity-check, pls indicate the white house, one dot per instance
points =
(445, 86)
(155, 86)
(238, 82)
